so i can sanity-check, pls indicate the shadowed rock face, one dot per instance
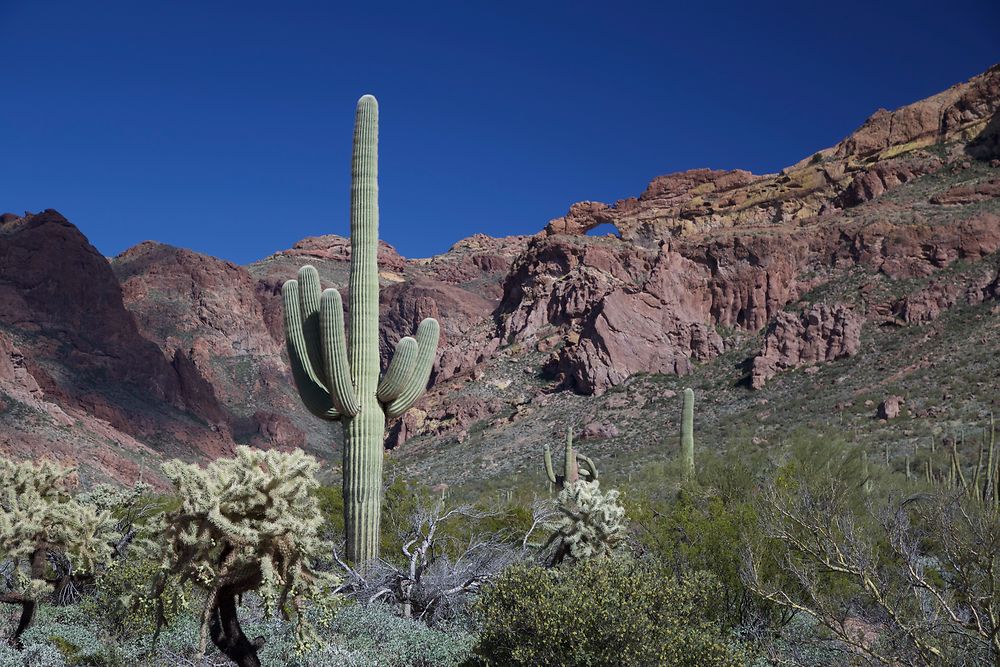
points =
(818, 334)
(164, 351)
(75, 357)
(56, 285)
(207, 316)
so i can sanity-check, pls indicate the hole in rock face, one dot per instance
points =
(604, 229)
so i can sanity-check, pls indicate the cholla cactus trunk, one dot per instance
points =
(339, 380)
(364, 432)
(687, 434)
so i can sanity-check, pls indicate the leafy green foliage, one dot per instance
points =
(373, 631)
(608, 612)
(123, 597)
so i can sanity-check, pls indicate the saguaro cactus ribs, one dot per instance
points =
(338, 379)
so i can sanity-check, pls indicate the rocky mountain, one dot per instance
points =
(869, 269)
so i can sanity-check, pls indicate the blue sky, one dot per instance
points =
(225, 126)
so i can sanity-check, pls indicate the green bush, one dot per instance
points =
(33, 655)
(79, 637)
(124, 601)
(373, 632)
(597, 613)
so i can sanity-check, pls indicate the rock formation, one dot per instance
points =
(820, 333)
(166, 351)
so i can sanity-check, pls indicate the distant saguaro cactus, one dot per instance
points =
(337, 383)
(985, 474)
(687, 434)
(575, 464)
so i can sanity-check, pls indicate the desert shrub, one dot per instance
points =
(80, 637)
(373, 632)
(123, 597)
(33, 655)
(890, 578)
(178, 644)
(701, 531)
(597, 613)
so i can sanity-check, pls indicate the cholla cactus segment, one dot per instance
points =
(38, 514)
(247, 523)
(592, 523)
(338, 376)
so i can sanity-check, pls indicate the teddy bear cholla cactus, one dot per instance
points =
(245, 523)
(39, 519)
(591, 522)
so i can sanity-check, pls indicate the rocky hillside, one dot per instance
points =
(869, 270)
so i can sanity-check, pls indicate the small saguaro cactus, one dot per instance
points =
(575, 464)
(687, 434)
(337, 381)
(985, 475)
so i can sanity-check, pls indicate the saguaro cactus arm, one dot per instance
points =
(574, 465)
(312, 390)
(550, 472)
(404, 360)
(335, 364)
(428, 333)
(587, 467)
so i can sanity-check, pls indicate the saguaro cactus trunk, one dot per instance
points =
(575, 465)
(687, 434)
(339, 380)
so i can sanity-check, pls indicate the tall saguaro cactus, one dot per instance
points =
(687, 434)
(338, 379)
